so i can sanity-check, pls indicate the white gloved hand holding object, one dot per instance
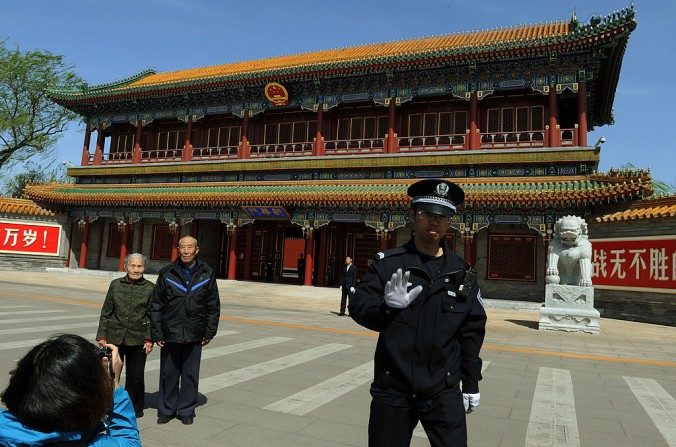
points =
(352, 289)
(471, 401)
(396, 290)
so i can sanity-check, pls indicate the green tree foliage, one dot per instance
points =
(30, 123)
(34, 173)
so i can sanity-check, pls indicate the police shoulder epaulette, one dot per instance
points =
(390, 252)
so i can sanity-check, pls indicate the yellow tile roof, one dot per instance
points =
(22, 207)
(645, 209)
(364, 52)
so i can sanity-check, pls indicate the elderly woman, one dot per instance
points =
(60, 393)
(125, 322)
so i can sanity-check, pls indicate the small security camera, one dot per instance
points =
(602, 140)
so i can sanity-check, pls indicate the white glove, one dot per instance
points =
(471, 401)
(352, 289)
(396, 290)
(340, 288)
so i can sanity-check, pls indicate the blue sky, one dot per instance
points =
(106, 41)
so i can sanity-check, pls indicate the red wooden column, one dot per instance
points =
(83, 246)
(123, 248)
(174, 248)
(232, 255)
(309, 252)
(392, 143)
(319, 139)
(85, 146)
(187, 144)
(323, 257)
(582, 113)
(473, 122)
(247, 255)
(136, 156)
(468, 242)
(383, 243)
(244, 149)
(554, 133)
(100, 140)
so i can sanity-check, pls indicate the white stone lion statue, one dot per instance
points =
(569, 254)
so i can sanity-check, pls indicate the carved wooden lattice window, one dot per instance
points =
(522, 119)
(415, 125)
(537, 121)
(311, 130)
(430, 124)
(124, 142)
(493, 120)
(446, 123)
(344, 129)
(285, 133)
(271, 133)
(356, 128)
(383, 126)
(300, 132)
(508, 119)
(223, 136)
(172, 139)
(162, 243)
(511, 257)
(370, 127)
(460, 125)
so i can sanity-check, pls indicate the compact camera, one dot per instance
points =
(107, 352)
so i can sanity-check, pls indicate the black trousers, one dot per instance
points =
(179, 361)
(442, 417)
(134, 359)
(344, 294)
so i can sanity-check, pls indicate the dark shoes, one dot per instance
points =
(164, 419)
(187, 420)
(139, 414)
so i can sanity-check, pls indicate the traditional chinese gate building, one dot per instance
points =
(262, 160)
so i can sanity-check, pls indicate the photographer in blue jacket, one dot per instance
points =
(89, 407)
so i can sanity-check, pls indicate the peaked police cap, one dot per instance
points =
(436, 195)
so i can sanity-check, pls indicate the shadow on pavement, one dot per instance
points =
(527, 323)
(151, 400)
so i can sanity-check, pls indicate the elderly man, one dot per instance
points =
(125, 322)
(184, 313)
(425, 302)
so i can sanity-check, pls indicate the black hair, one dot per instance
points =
(60, 385)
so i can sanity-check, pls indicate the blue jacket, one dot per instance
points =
(120, 431)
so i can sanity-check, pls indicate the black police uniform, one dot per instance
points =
(423, 350)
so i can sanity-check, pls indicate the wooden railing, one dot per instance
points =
(488, 140)
(432, 143)
(161, 155)
(210, 153)
(281, 150)
(359, 146)
(531, 138)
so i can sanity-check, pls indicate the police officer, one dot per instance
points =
(425, 302)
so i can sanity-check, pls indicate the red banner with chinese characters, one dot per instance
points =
(635, 263)
(30, 238)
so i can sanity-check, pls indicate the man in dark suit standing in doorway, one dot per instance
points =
(300, 267)
(348, 281)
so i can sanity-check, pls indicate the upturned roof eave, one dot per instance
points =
(571, 40)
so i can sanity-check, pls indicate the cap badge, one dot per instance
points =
(442, 189)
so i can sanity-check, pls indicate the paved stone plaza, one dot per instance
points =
(286, 371)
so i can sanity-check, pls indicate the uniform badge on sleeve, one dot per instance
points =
(479, 298)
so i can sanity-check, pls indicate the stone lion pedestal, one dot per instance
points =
(569, 295)
(569, 308)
